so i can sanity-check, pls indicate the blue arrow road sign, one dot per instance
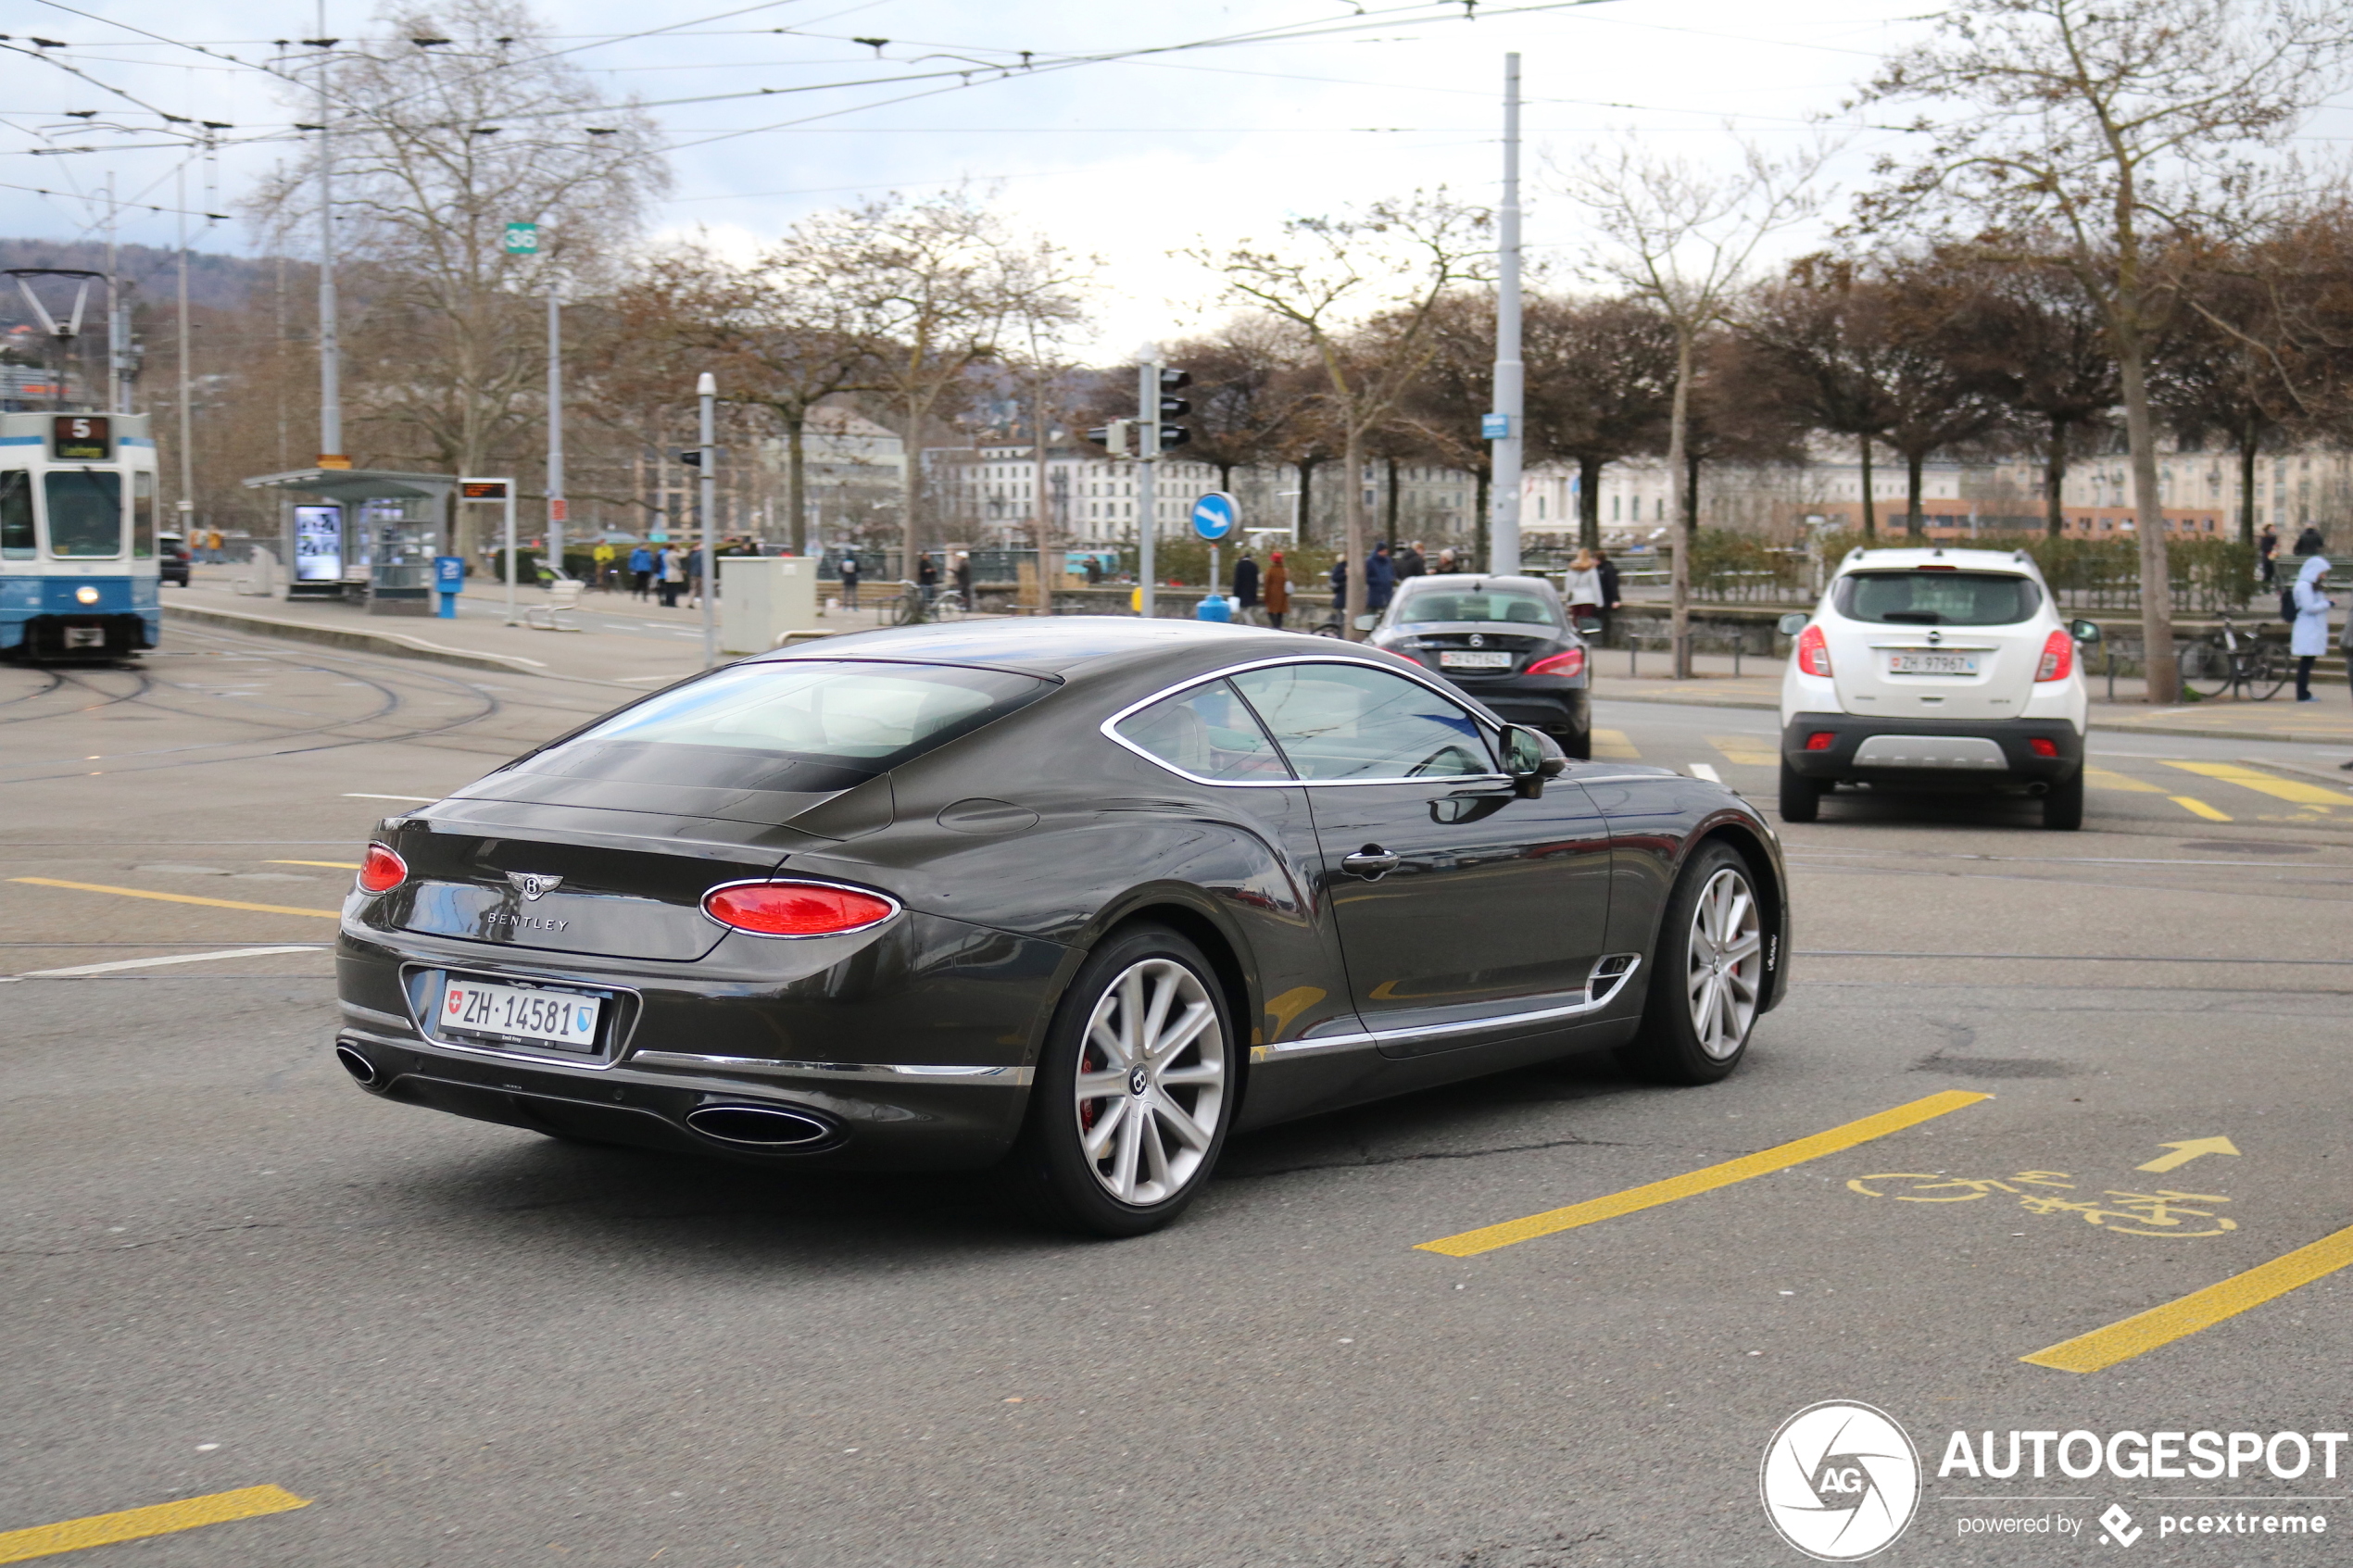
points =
(1215, 515)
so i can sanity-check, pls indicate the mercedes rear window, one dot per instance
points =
(1503, 604)
(1934, 598)
(800, 724)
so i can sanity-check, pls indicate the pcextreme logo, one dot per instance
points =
(1841, 1481)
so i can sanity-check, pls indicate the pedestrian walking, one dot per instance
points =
(849, 579)
(602, 560)
(1277, 590)
(1582, 588)
(1380, 578)
(962, 577)
(641, 572)
(1410, 562)
(1246, 587)
(673, 575)
(2266, 552)
(2309, 543)
(927, 577)
(1608, 570)
(2309, 638)
(693, 566)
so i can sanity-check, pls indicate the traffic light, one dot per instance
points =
(1172, 407)
(691, 456)
(1113, 437)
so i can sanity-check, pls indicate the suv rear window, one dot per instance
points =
(798, 724)
(1937, 599)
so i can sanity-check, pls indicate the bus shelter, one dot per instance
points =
(364, 535)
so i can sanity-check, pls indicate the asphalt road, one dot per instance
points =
(228, 1269)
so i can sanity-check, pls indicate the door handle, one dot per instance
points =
(1372, 862)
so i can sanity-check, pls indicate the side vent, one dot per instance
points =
(1610, 976)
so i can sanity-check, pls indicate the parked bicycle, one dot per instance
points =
(911, 608)
(2231, 662)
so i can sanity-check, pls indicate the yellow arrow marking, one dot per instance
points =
(2188, 1150)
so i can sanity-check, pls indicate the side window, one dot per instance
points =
(16, 515)
(1208, 732)
(142, 515)
(1349, 722)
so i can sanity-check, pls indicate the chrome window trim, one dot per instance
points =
(1592, 1003)
(765, 1067)
(1110, 728)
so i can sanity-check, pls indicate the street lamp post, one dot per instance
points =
(707, 394)
(1502, 544)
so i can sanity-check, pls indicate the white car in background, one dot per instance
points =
(1935, 668)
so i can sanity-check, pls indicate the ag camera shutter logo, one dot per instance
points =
(1841, 1481)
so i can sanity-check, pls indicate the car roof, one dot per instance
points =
(2016, 563)
(1472, 582)
(1074, 647)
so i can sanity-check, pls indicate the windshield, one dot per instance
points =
(1937, 599)
(85, 511)
(793, 725)
(1512, 606)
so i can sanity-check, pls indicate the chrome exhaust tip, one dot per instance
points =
(365, 1073)
(760, 1126)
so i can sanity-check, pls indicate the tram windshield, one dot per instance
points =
(16, 515)
(85, 512)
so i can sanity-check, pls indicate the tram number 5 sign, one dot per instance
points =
(81, 438)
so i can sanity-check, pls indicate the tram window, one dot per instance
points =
(142, 515)
(85, 511)
(16, 514)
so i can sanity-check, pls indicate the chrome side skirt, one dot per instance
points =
(1609, 977)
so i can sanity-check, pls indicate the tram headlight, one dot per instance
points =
(87, 594)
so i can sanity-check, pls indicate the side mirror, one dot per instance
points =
(1587, 624)
(1790, 625)
(1529, 761)
(2085, 631)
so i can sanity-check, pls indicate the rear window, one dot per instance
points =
(1497, 605)
(1937, 599)
(794, 724)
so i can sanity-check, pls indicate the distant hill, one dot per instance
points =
(150, 273)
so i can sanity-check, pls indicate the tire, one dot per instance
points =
(2205, 669)
(1801, 797)
(2264, 673)
(1154, 1150)
(2063, 805)
(1698, 1015)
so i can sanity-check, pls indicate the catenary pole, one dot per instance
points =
(187, 381)
(557, 509)
(1510, 400)
(707, 394)
(331, 454)
(1147, 457)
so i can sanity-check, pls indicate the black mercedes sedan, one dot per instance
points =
(1076, 898)
(1505, 640)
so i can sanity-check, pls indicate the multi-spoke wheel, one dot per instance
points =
(1128, 1109)
(1708, 978)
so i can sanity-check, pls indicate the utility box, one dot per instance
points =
(761, 598)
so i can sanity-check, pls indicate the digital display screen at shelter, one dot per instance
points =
(317, 552)
(81, 438)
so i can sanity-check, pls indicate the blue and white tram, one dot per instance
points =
(78, 568)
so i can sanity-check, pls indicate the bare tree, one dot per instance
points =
(1816, 332)
(1941, 391)
(2097, 137)
(1600, 386)
(1363, 291)
(1682, 237)
(1245, 392)
(2046, 347)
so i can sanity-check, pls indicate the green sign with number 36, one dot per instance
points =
(522, 239)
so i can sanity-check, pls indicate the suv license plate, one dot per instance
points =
(560, 1020)
(1932, 664)
(1474, 661)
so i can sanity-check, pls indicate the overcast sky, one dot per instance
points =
(1124, 158)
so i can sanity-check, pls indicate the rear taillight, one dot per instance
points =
(796, 909)
(2058, 657)
(1814, 652)
(1821, 740)
(2042, 746)
(380, 871)
(1569, 663)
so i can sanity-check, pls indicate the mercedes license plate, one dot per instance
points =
(560, 1021)
(1932, 664)
(1474, 661)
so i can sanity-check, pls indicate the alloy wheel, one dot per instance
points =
(1151, 1082)
(1726, 964)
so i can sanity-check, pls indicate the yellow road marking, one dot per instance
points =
(2269, 783)
(332, 865)
(2103, 778)
(2199, 808)
(1612, 745)
(1748, 750)
(175, 899)
(131, 1524)
(1763, 1163)
(2200, 1309)
(2188, 1150)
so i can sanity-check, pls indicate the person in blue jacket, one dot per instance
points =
(1380, 578)
(641, 572)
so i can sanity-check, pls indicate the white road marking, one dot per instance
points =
(1702, 770)
(177, 958)
(423, 799)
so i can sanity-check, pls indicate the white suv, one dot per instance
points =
(1939, 668)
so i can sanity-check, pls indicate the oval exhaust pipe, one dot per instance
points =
(760, 1126)
(359, 1067)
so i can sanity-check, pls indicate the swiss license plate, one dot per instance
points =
(85, 637)
(1932, 664)
(561, 1020)
(1474, 661)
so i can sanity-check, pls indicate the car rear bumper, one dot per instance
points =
(2005, 752)
(1542, 702)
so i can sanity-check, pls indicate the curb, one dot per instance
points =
(367, 642)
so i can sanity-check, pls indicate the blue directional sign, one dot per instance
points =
(1494, 427)
(1215, 515)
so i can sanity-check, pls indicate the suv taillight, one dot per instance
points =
(1569, 663)
(796, 909)
(380, 871)
(1814, 652)
(2058, 657)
